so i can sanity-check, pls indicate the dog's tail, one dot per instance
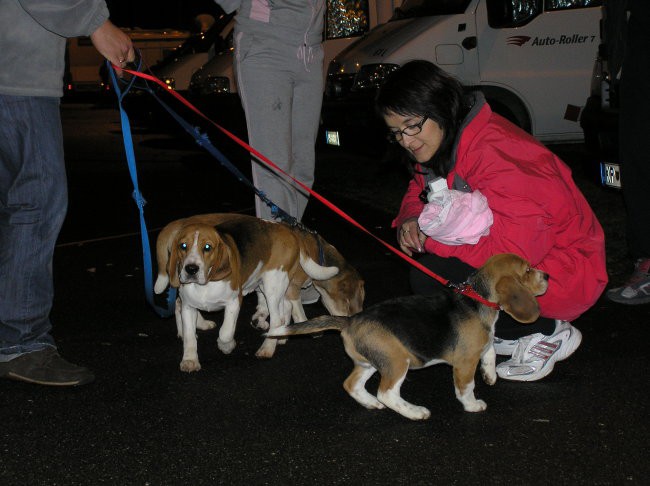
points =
(317, 324)
(314, 270)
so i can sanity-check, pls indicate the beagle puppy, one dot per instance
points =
(418, 331)
(216, 259)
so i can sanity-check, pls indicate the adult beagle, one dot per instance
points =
(342, 295)
(216, 259)
(418, 331)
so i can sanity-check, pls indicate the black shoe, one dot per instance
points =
(45, 367)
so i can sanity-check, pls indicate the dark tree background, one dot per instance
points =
(155, 14)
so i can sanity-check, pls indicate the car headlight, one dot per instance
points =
(372, 75)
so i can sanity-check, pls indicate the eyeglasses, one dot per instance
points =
(397, 135)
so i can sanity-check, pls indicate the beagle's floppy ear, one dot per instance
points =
(517, 300)
(164, 248)
(172, 265)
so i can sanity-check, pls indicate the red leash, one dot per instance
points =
(464, 289)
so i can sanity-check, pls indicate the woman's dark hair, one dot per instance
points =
(420, 88)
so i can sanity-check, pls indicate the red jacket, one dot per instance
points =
(539, 213)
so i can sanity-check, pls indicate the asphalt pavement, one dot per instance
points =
(287, 420)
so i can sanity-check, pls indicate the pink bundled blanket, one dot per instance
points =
(456, 218)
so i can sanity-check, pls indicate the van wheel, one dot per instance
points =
(519, 119)
(508, 106)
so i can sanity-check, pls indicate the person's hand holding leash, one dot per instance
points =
(410, 237)
(114, 45)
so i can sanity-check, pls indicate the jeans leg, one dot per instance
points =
(33, 203)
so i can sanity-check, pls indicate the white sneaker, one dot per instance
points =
(504, 347)
(535, 355)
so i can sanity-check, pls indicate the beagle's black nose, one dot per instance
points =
(191, 269)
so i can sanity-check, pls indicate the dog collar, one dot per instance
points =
(468, 291)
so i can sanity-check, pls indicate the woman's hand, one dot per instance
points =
(410, 237)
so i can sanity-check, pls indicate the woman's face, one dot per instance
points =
(421, 146)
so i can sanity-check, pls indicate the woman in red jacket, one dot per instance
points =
(505, 193)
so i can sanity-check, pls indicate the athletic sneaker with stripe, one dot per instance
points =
(535, 356)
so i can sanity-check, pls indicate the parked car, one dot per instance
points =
(532, 60)
(177, 69)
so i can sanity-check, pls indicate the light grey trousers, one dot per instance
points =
(281, 90)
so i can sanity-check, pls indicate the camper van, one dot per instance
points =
(531, 58)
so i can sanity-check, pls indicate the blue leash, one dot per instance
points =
(203, 141)
(140, 202)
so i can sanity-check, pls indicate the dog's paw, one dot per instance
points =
(415, 412)
(375, 405)
(267, 349)
(368, 401)
(261, 324)
(189, 365)
(205, 325)
(475, 406)
(226, 347)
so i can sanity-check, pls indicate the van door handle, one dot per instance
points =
(469, 43)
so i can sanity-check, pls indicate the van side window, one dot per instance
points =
(511, 13)
(426, 8)
(346, 18)
(567, 4)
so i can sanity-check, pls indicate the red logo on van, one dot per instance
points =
(518, 40)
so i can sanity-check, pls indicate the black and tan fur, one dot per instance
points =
(246, 254)
(418, 331)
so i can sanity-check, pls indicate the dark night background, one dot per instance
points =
(154, 14)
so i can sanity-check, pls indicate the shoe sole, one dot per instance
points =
(84, 381)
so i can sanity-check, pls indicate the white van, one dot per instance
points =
(532, 59)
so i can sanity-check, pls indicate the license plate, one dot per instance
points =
(332, 138)
(610, 174)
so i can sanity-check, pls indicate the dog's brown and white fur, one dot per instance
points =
(216, 259)
(418, 331)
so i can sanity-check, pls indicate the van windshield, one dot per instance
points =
(425, 8)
